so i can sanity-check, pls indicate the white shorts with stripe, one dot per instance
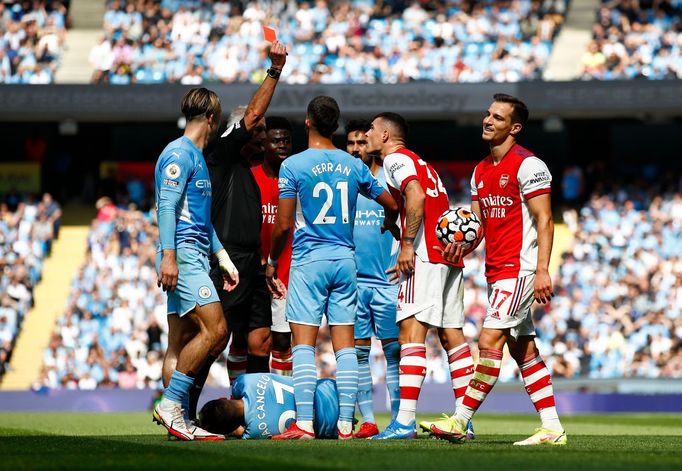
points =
(279, 318)
(433, 294)
(509, 303)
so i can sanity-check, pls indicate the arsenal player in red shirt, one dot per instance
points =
(277, 148)
(510, 192)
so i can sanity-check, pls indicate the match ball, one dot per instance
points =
(458, 225)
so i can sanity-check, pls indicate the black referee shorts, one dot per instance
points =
(248, 306)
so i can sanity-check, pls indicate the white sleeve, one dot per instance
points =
(534, 178)
(400, 170)
(474, 189)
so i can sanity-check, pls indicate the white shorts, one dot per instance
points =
(279, 318)
(433, 294)
(509, 303)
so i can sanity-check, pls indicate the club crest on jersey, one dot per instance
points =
(204, 292)
(504, 179)
(173, 171)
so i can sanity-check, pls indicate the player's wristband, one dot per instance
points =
(271, 262)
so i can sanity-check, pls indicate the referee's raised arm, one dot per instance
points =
(255, 110)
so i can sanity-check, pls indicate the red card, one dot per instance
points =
(269, 34)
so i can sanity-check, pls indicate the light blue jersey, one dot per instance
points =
(326, 184)
(269, 405)
(374, 252)
(181, 177)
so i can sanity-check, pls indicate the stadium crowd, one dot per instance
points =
(32, 37)
(330, 41)
(635, 39)
(27, 229)
(113, 331)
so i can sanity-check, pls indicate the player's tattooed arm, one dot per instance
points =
(414, 215)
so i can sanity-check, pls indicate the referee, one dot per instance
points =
(236, 214)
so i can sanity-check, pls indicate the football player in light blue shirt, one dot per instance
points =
(263, 405)
(321, 185)
(375, 252)
(187, 239)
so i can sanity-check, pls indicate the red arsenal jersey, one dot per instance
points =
(503, 191)
(403, 166)
(269, 194)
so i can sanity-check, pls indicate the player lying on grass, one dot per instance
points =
(263, 405)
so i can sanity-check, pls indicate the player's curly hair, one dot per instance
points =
(323, 113)
(199, 103)
(220, 416)
(354, 125)
(519, 108)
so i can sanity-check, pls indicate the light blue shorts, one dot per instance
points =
(377, 312)
(320, 287)
(194, 283)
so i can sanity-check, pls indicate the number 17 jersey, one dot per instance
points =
(326, 184)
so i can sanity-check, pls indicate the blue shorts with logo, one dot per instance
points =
(377, 312)
(319, 287)
(194, 283)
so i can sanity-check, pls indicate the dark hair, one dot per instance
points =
(278, 122)
(519, 108)
(220, 416)
(354, 125)
(199, 103)
(398, 123)
(323, 112)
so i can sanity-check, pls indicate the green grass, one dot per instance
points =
(130, 441)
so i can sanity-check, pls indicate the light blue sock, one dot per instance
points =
(346, 382)
(178, 388)
(392, 354)
(305, 380)
(364, 384)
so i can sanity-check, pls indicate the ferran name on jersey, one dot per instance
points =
(329, 167)
(261, 387)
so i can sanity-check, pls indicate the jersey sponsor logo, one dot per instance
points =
(173, 171)
(504, 179)
(497, 200)
(204, 292)
(168, 182)
(203, 184)
(395, 167)
(539, 177)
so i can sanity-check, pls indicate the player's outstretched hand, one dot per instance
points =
(278, 55)
(168, 272)
(393, 229)
(543, 287)
(453, 252)
(275, 286)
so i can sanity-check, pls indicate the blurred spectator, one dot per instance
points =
(25, 240)
(635, 39)
(331, 41)
(32, 37)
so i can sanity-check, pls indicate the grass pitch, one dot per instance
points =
(130, 441)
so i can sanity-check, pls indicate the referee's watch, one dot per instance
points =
(274, 73)
(271, 262)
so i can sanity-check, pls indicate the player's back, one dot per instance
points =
(402, 167)
(181, 168)
(326, 184)
(269, 405)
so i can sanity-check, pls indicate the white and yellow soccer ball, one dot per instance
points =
(458, 225)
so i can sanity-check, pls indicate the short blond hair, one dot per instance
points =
(199, 103)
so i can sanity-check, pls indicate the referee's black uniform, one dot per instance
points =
(237, 217)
